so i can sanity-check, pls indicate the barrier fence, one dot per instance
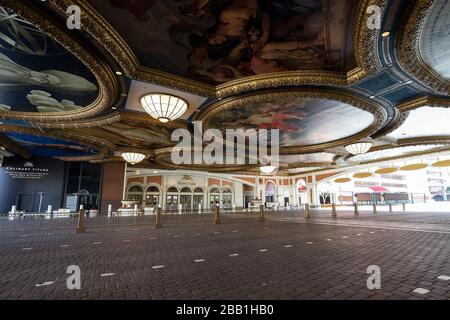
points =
(83, 220)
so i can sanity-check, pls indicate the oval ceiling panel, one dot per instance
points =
(37, 74)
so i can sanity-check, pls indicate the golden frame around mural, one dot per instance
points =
(100, 69)
(370, 106)
(365, 43)
(408, 44)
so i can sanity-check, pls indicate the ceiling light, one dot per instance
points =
(119, 73)
(133, 157)
(268, 169)
(3, 148)
(385, 34)
(358, 148)
(164, 107)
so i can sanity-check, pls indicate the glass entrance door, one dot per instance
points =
(172, 202)
(214, 200)
(226, 201)
(198, 200)
(186, 201)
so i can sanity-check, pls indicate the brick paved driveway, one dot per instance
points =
(234, 260)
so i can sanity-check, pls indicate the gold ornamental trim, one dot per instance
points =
(442, 164)
(365, 44)
(386, 170)
(370, 106)
(106, 80)
(414, 167)
(408, 44)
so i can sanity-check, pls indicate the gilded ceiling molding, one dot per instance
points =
(370, 106)
(365, 45)
(106, 80)
(425, 101)
(161, 154)
(408, 47)
(405, 143)
(404, 108)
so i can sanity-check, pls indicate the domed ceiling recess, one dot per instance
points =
(312, 69)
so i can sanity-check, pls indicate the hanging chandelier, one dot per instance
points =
(133, 157)
(164, 107)
(267, 170)
(359, 148)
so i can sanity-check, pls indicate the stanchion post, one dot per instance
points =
(307, 211)
(262, 218)
(390, 207)
(333, 210)
(217, 215)
(374, 208)
(356, 209)
(404, 207)
(158, 223)
(81, 221)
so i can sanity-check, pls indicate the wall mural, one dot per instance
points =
(49, 147)
(223, 40)
(36, 73)
(435, 38)
(300, 121)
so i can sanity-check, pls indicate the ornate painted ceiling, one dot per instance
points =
(313, 69)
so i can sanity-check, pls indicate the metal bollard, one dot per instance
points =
(158, 223)
(404, 206)
(390, 207)
(374, 208)
(110, 210)
(333, 210)
(356, 209)
(307, 211)
(262, 218)
(81, 221)
(217, 215)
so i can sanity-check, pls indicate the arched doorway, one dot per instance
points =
(301, 192)
(186, 198)
(214, 196)
(135, 193)
(198, 198)
(172, 198)
(270, 192)
(227, 198)
(152, 196)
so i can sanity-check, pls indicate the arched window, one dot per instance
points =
(136, 189)
(186, 190)
(152, 189)
(172, 190)
(214, 190)
(226, 190)
(198, 190)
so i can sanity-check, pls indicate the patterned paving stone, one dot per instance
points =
(272, 260)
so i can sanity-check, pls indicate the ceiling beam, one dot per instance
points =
(13, 146)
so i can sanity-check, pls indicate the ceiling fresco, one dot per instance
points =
(49, 147)
(220, 41)
(36, 73)
(435, 38)
(437, 124)
(310, 68)
(301, 121)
